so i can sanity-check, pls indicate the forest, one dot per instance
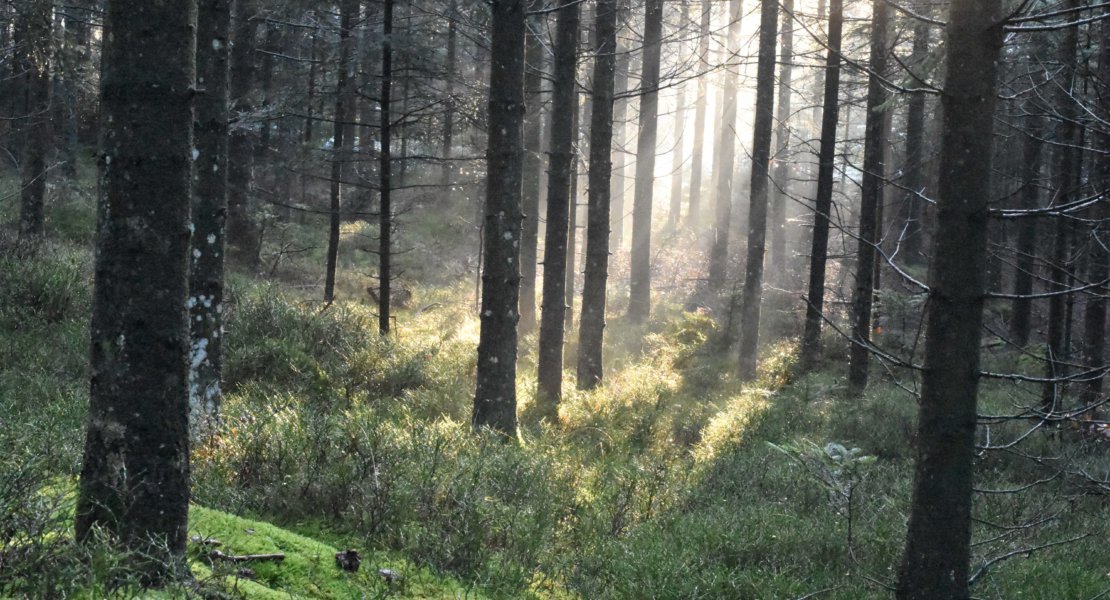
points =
(554, 299)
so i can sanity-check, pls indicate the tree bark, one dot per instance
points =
(447, 177)
(620, 128)
(678, 155)
(782, 144)
(1067, 189)
(495, 394)
(936, 560)
(533, 167)
(135, 479)
(726, 155)
(874, 172)
(913, 235)
(639, 301)
(38, 25)
(341, 134)
(1022, 316)
(206, 275)
(1094, 325)
(592, 323)
(242, 229)
(819, 247)
(693, 215)
(385, 173)
(549, 371)
(751, 293)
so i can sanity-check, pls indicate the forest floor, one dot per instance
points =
(673, 480)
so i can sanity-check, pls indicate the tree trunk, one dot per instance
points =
(678, 155)
(385, 172)
(935, 563)
(1067, 190)
(549, 371)
(495, 394)
(592, 323)
(341, 134)
(693, 216)
(819, 248)
(751, 294)
(572, 216)
(533, 168)
(782, 144)
(620, 128)
(874, 172)
(913, 235)
(310, 103)
(38, 22)
(135, 479)
(726, 155)
(448, 175)
(206, 282)
(1021, 318)
(242, 230)
(639, 300)
(73, 58)
(1094, 325)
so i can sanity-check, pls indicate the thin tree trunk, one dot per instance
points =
(38, 25)
(639, 301)
(206, 283)
(1094, 325)
(592, 323)
(448, 176)
(819, 249)
(549, 371)
(341, 146)
(572, 217)
(533, 167)
(936, 559)
(1067, 184)
(74, 55)
(751, 294)
(782, 144)
(242, 229)
(135, 480)
(385, 172)
(693, 215)
(679, 153)
(874, 172)
(726, 155)
(495, 394)
(1021, 317)
(310, 103)
(913, 235)
(620, 128)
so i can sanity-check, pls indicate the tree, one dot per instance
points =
(37, 22)
(782, 142)
(206, 275)
(385, 172)
(751, 295)
(936, 559)
(341, 137)
(678, 155)
(495, 394)
(693, 216)
(243, 235)
(874, 169)
(564, 103)
(533, 167)
(1094, 325)
(819, 247)
(135, 479)
(1021, 319)
(913, 238)
(639, 302)
(592, 323)
(726, 156)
